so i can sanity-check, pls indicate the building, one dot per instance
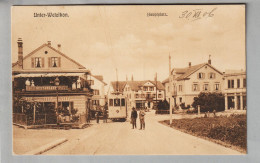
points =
(140, 93)
(98, 85)
(51, 78)
(188, 82)
(235, 89)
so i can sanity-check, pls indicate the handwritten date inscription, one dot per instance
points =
(197, 14)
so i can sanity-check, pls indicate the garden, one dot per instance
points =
(230, 131)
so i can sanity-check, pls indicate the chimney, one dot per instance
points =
(189, 64)
(20, 53)
(59, 47)
(209, 61)
(49, 43)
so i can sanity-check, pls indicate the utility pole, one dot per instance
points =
(170, 89)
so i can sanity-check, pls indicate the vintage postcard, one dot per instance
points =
(129, 80)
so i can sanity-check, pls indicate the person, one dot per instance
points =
(141, 117)
(133, 117)
(97, 116)
(88, 117)
(104, 115)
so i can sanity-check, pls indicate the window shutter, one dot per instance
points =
(32, 62)
(49, 62)
(59, 62)
(42, 61)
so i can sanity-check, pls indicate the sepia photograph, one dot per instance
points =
(129, 80)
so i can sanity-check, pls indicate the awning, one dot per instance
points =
(31, 75)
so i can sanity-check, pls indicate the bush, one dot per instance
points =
(232, 129)
(209, 102)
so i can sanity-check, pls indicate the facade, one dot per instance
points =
(190, 81)
(98, 86)
(48, 76)
(235, 90)
(140, 93)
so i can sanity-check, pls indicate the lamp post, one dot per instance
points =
(57, 83)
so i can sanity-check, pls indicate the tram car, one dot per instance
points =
(117, 108)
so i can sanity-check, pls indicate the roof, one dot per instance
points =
(25, 75)
(100, 78)
(44, 45)
(186, 72)
(235, 72)
(136, 85)
(119, 84)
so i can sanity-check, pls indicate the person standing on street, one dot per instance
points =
(97, 116)
(141, 117)
(133, 117)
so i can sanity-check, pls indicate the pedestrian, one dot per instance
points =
(104, 116)
(141, 117)
(88, 117)
(133, 117)
(97, 116)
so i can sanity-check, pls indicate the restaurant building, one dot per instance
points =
(48, 76)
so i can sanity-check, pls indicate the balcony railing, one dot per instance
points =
(47, 88)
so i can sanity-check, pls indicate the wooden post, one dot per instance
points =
(198, 109)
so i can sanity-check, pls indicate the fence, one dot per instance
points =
(41, 119)
(159, 111)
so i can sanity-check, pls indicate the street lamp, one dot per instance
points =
(57, 83)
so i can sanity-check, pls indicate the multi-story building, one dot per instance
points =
(235, 89)
(50, 77)
(98, 85)
(140, 93)
(188, 82)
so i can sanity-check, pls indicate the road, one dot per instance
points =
(118, 138)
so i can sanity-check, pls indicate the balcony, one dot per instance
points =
(47, 88)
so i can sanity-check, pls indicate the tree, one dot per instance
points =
(209, 102)
(162, 106)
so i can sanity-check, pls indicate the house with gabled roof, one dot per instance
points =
(49, 77)
(98, 86)
(188, 82)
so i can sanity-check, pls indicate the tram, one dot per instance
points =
(117, 108)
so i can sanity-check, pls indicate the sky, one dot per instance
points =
(106, 38)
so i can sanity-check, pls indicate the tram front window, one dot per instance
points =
(122, 102)
(117, 102)
(110, 102)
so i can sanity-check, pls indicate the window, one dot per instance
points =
(122, 102)
(95, 102)
(244, 83)
(195, 87)
(38, 62)
(180, 88)
(117, 102)
(153, 95)
(238, 83)
(136, 95)
(212, 75)
(205, 87)
(180, 99)
(96, 92)
(91, 82)
(151, 88)
(142, 95)
(54, 61)
(230, 83)
(159, 95)
(110, 102)
(145, 88)
(216, 87)
(201, 75)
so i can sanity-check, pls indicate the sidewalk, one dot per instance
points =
(31, 139)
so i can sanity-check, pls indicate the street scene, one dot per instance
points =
(129, 80)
